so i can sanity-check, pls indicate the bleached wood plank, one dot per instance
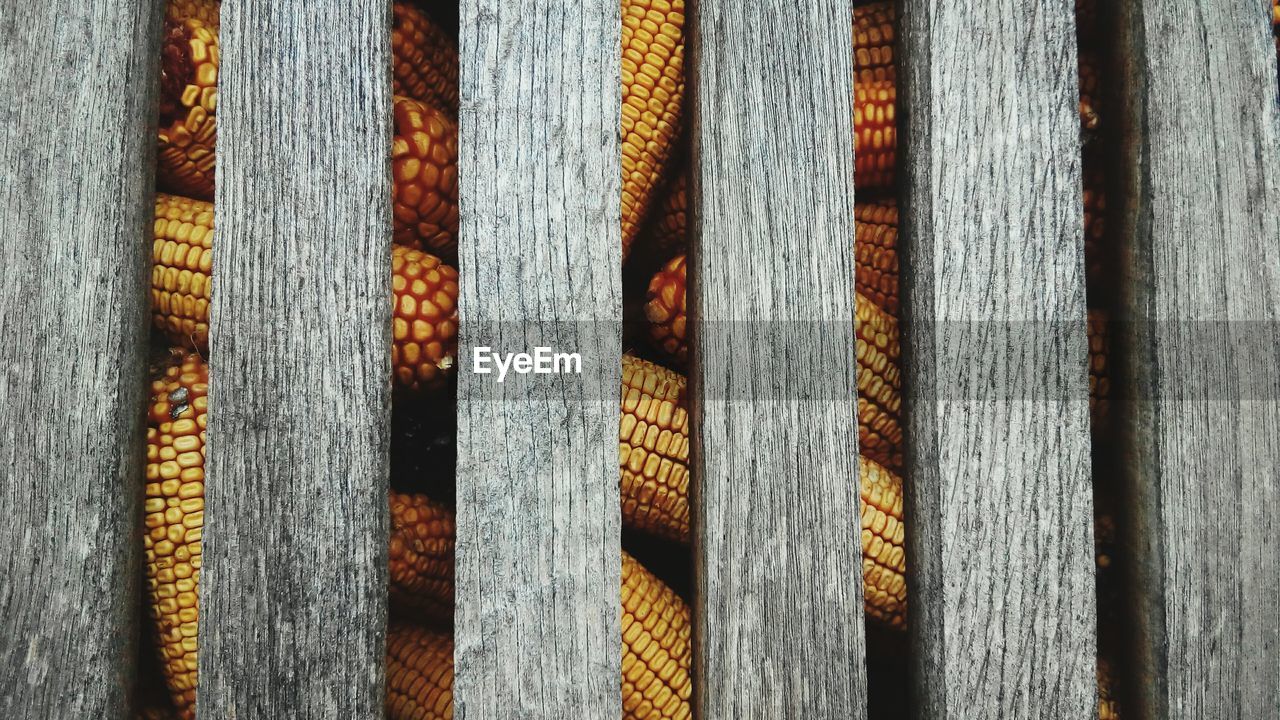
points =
(1000, 545)
(294, 580)
(77, 148)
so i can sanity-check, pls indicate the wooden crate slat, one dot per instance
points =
(779, 615)
(538, 564)
(1202, 154)
(999, 520)
(77, 146)
(294, 580)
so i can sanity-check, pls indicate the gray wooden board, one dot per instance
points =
(294, 580)
(779, 626)
(77, 149)
(1202, 157)
(538, 565)
(1000, 546)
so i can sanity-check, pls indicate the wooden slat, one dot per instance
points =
(1000, 548)
(1202, 153)
(294, 581)
(538, 568)
(779, 615)
(77, 142)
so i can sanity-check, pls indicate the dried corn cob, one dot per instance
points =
(1090, 91)
(653, 449)
(884, 554)
(175, 518)
(420, 555)
(873, 42)
(652, 98)
(665, 309)
(424, 166)
(424, 59)
(879, 385)
(424, 325)
(1099, 378)
(188, 108)
(419, 674)
(656, 647)
(656, 658)
(669, 230)
(875, 138)
(876, 253)
(206, 11)
(182, 259)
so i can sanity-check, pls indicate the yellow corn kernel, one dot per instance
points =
(189, 60)
(424, 170)
(653, 449)
(876, 253)
(652, 99)
(424, 59)
(875, 135)
(665, 310)
(873, 42)
(182, 260)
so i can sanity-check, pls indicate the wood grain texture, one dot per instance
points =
(77, 149)
(294, 581)
(999, 501)
(1202, 423)
(774, 401)
(538, 620)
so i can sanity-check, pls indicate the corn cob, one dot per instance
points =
(875, 139)
(653, 449)
(656, 658)
(884, 554)
(876, 253)
(424, 59)
(1090, 91)
(665, 310)
(652, 98)
(879, 385)
(424, 166)
(206, 11)
(182, 259)
(669, 231)
(873, 42)
(174, 520)
(188, 108)
(424, 326)
(425, 294)
(419, 674)
(420, 555)
(1099, 377)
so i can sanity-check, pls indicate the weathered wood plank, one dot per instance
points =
(1202, 426)
(293, 593)
(77, 148)
(999, 504)
(779, 617)
(538, 612)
